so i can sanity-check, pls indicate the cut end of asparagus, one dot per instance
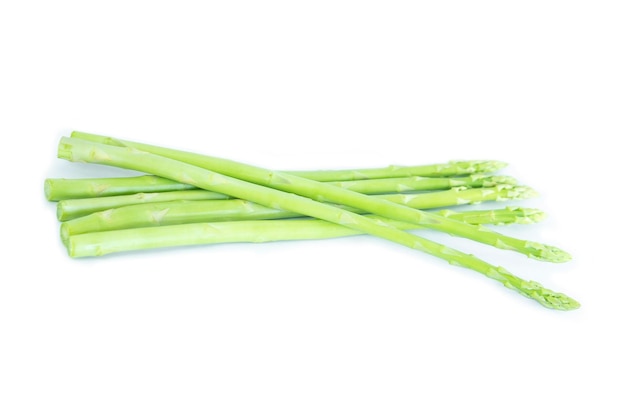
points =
(61, 211)
(549, 298)
(64, 151)
(47, 189)
(65, 234)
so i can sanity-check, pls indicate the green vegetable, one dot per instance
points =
(461, 196)
(450, 169)
(180, 212)
(408, 184)
(71, 209)
(269, 230)
(57, 189)
(101, 243)
(129, 157)
(322, 192)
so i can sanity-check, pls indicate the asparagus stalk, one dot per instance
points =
(131, 158)
(181, 212)
(406, 184)
(329, 193)
(461, 196)
(75, 208)
(498, 217)
(57, 189)
(285, 230)
(171, 212)
(102, 243)
(450, 169)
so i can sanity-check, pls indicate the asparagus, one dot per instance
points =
(102, 243)
(171, 212)
(460, 196)
(284, 230)
(499, 217)
(450, 169)
(329, 193)
(57, 189)
(74, 208)
(406, 184)
(131, 158)
(180, 212)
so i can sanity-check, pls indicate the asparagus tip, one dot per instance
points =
(516, 192)
(503, 179)
(548, 253)
(525, 215)
(495, 165)
(549, 298)
(479, 166)
(490, 166)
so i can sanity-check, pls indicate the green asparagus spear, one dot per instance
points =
(329, 193)
(450, 169)
(180, 212)
(72, 209)
(498, 217)
(156, 216)
(407, 184)
(57, 189)
(460, 196)
(102, 243)
(131, 158)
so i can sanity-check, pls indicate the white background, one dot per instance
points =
(348, 327)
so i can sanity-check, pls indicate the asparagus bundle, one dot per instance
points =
(284, 191)
(197, 199)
